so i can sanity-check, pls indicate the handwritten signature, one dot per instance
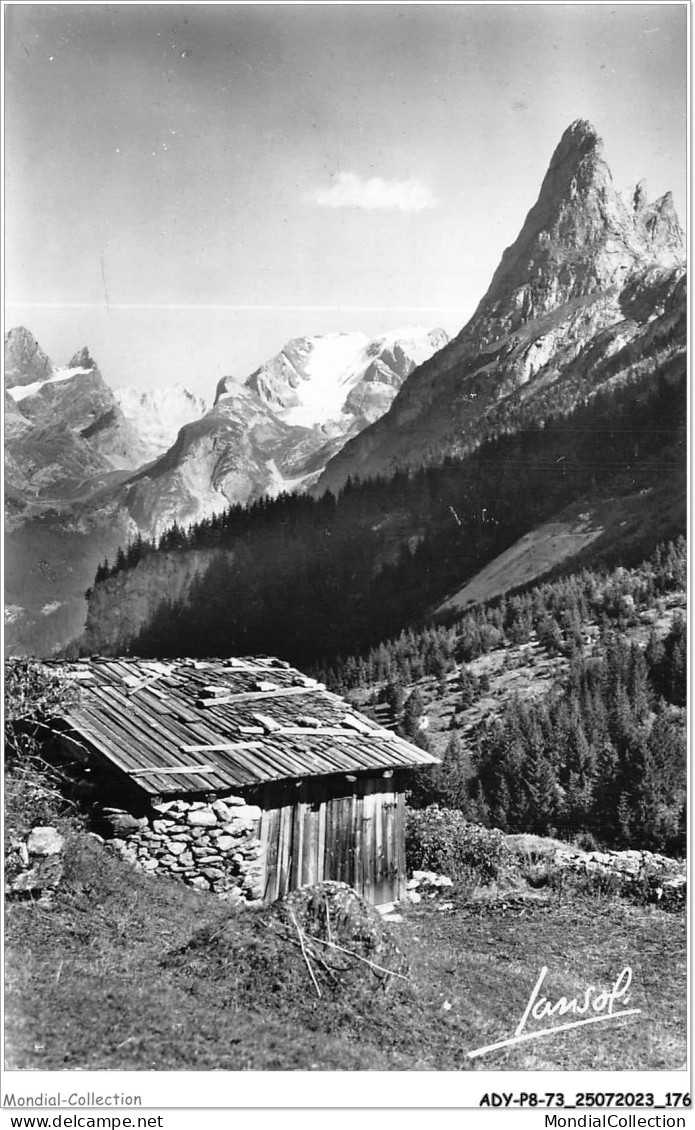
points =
(601, 1002)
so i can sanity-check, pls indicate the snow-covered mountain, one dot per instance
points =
(338, 382)
(68, 443)
(156, 416)
(72, 408)
(277, 430)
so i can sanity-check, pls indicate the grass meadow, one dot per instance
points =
(100, 979)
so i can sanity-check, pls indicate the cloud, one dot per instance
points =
(348, 190)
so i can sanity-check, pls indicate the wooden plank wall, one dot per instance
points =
(352, 832)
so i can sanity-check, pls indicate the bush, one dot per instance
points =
(33, 792)
(442, 840)
(34, 696)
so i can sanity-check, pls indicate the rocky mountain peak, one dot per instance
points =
(579, 140)
(25, 360)
(580, 237)
(663, 228)
(577, 171)
(20, 339)
(639, 197)
(82, 359)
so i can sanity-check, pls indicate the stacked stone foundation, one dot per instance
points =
(210, 846)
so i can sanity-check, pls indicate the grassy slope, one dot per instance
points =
(89, 986)
(623, 528)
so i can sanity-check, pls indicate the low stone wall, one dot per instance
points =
(663, 878)
(212, 847)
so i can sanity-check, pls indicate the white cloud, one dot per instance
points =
(348, 190)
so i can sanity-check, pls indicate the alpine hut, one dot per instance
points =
(242, 775)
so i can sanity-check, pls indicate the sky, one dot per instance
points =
(187, 187)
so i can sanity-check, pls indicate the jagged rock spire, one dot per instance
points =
(82, 359)
(663, 229)
(578, 238)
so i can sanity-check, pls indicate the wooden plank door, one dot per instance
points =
(355, 838)
(381, 852)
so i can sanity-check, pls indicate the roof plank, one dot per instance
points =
(182, 770)
(221, 746)
(250, 696)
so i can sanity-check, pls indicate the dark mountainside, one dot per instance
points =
(568, 389)
(376, 559)
(587, 282)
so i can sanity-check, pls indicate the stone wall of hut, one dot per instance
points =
(210, 846)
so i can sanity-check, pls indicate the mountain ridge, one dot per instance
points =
(67, 443)
(92, 467)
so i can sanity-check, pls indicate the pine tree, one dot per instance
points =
(103, 572)
(499, 808)
(480, 807)
(452, 778)
(394, 697)
(412, 714)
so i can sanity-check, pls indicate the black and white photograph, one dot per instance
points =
(345, 557)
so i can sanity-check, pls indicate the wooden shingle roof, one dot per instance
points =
(191, 726)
